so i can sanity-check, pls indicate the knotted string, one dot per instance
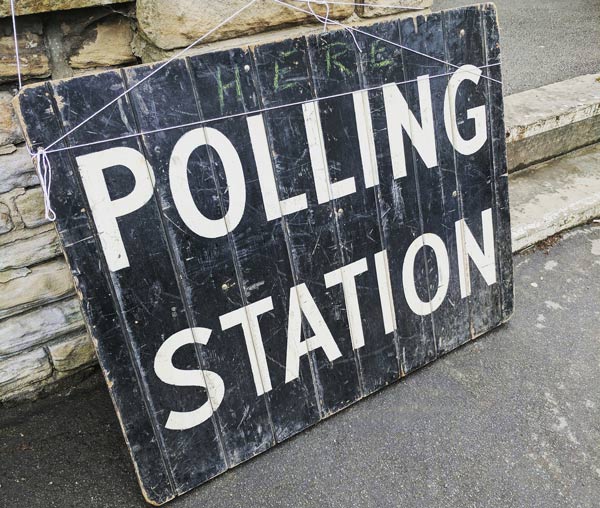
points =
(44, 171)
(320, 18)
(325, 19)
(40, 158)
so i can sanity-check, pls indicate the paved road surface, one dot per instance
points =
(510, 420)
(545, 41)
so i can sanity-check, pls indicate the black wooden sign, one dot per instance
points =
(263, 236)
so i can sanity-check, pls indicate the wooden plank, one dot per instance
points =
(205, 266)
(498, 149)
(398, 201)
(259, 245)
(80, 244)
(335, 71)
(283, 78)
(438, 196)
(474, 169)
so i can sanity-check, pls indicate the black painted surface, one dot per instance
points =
(177, 279)
(498, 149)
(438, 197)
(398, 198)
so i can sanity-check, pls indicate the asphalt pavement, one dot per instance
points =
(509, 420)
(544, 41)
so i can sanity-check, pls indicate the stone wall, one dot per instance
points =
(43, 340)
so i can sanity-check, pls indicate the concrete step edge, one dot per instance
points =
(553, 196)
(552, 120)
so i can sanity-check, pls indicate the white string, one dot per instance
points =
(218, 26)
(387, 6)
(44, 171)
(245, 113)
(320, 18)
(325, 19)
(14, 24)
(357, 30)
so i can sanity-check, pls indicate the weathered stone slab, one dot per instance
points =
(72, 353)
(34, 6)
(38, 326)
(552, 120)
(40, 284)
(16, 170)
(30, 251)
(17, 273)
(30, 206)
(9, 216)
(10, 131)
(25, 206)
(97, 38)
(7, 149)
(554, 196)
(6, 223)
(32, 51)
(176, 23)
(17, 372)
(18, 234)
(378, 7)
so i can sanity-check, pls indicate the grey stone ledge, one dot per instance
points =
(40, 325)
(552, 120)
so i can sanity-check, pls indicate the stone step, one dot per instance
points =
(552, 120)
(554, 196)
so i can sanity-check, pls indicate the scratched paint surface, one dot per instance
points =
(247, 268)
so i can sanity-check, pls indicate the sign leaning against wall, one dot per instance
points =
(261, 237)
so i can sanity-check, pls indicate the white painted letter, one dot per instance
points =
(301, 302)
(248, 317)
(417, 305)
(167, 373)
(366, 141)
(464, 146)
(273, 207)
(104, 210)
(180, 188)
(326, 190)
(399, 117)
(385, 291)
(346, 276)
(467, 247)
